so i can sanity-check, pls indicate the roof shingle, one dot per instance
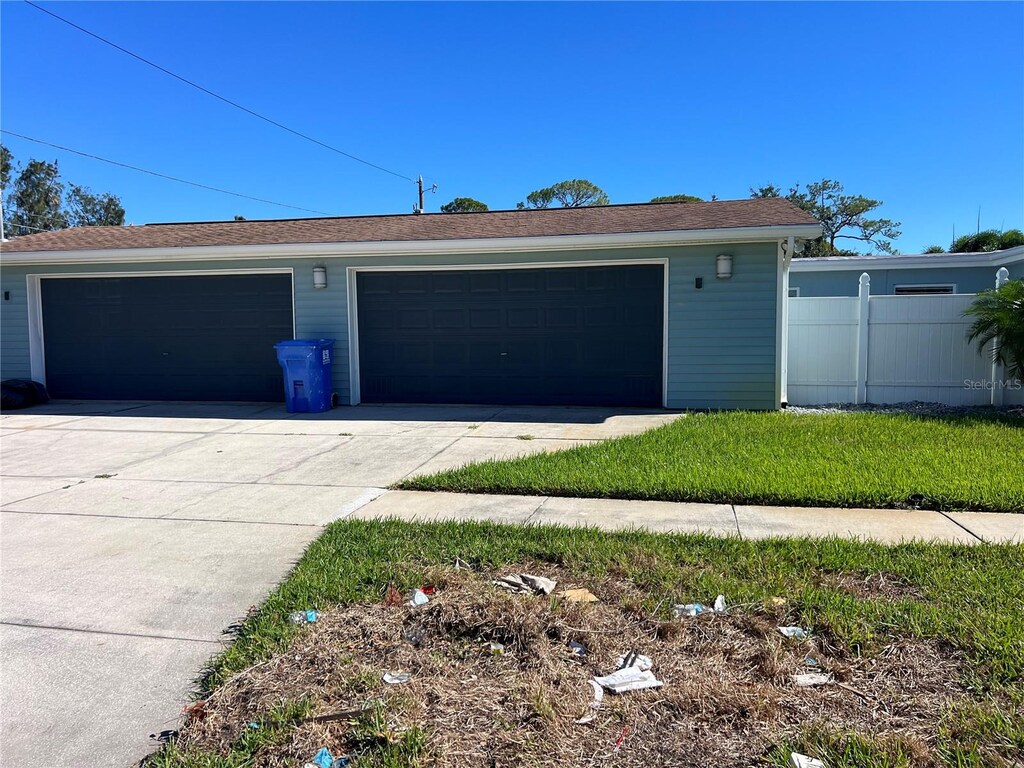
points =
(609, 219)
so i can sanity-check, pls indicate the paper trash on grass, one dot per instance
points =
(581, 595)
(720, 604)
(418, 597)
(629, 679)
(796, 760)
(397, 678)
(525, 583)
(595, 703)
(634, 659)
(797, 633)
(811, 679)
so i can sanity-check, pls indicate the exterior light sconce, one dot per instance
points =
(723, 266)
(319, 276)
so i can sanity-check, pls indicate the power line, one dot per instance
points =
(226, 100)
(35, 229)
(161, 175)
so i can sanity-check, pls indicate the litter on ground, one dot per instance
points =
(796, 633)
(417, 598)
(689, 609)
(628, 679)
(323, 759)
(634, 659)
(811, 679)
(581, 595)
(304, 617)
(595, 703)
(525, 583)
(796, 760)
(720, 604)
(443, 692)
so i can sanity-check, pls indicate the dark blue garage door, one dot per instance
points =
(166, 338)
(559, 336)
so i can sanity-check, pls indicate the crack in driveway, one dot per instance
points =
(31, 625)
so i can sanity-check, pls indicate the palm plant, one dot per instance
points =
(999, 315)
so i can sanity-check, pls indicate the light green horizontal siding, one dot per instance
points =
(14, 360)
(721, 339)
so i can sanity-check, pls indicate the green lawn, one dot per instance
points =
(970, 597)
(971, 461)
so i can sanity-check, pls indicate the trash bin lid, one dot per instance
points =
(304, 343)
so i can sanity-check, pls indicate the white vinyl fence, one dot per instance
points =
(890, 349)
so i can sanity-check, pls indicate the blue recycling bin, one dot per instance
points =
(307, 374)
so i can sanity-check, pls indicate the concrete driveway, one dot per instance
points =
(133, 535)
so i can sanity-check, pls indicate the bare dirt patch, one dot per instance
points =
(728, 693)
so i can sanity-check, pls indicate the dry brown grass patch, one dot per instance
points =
(727, 697)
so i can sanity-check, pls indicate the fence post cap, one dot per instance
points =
(865, 278)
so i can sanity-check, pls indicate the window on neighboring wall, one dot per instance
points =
(920, 290)
(794, 293)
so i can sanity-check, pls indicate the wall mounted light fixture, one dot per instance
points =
(319, 276)
(723, 266)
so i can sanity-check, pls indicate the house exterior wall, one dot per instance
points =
(720, 347)
(969, 279)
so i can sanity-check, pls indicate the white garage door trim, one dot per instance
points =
(36, 342)
(353, 314)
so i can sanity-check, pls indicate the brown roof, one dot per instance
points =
(608, 219)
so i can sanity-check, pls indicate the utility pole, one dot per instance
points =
(419, 184)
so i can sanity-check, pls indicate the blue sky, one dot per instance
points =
(920, 105)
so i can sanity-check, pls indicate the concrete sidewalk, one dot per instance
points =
(749, 522)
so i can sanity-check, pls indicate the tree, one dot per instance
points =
(1011, 238)
(766, 190)
(239, 217)
(6, 165)
(88, 210)
(36, 199)
(987, 240)
(934, 249)
(677, 199)
(572, 193)
(464, 205)
(842, 216)
(999, 316)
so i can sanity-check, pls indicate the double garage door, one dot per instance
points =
(207, 337)
(549, 336)
(565, 336)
